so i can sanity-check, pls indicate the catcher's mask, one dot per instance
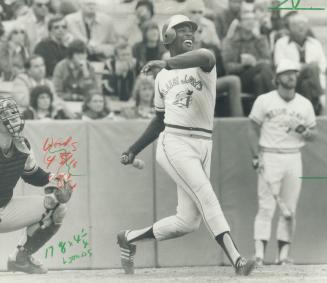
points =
(11, 117)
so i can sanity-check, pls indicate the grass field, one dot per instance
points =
(266, 274)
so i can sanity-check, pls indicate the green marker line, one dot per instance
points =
(296, 9)
(313, 178)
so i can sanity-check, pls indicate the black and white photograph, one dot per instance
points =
(163, 141)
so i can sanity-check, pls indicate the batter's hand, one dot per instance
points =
(127, 157)
(257, 163)
(153, 66)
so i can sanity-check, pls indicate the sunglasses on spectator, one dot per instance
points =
(42, 5)
(197, 12)
(18, 31)
(59, 26)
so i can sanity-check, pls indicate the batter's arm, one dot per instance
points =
(253, 136)
(202, 58)
(151, 133)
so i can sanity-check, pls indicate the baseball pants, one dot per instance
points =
(187, 160)
(281, 174)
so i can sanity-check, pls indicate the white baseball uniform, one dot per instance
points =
(184, 149)
(281, 156)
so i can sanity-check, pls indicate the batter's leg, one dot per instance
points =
(290, 192)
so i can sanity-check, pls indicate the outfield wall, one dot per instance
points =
(110, 197)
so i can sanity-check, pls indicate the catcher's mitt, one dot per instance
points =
(62, 189)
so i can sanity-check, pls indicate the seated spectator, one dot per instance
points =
(97, 30)
(119, 74)
(42, 107)
(247, 55)
(144, 11)
(150, 48)
(230, 87)
(19, 8)
(143, 94)
(54, 48)
(14, 52)
(227, 16)
(73, 77)
(206, 34)
(36, 22)
(302, 48)
(24, 82)
(95, 107)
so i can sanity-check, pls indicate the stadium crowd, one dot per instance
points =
(65, 59)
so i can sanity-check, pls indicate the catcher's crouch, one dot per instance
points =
(41, 215)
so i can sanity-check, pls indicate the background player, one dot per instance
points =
(42, 216)
(281, 122)
(185, 91)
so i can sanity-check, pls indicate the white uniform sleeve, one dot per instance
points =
(257, 113)
(159, 102)
(311, 117)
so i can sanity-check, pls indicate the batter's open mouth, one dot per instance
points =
(188, 42)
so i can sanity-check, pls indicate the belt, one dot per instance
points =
(280, 150)
(188, 131)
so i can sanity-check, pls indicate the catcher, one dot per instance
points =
(41, 215)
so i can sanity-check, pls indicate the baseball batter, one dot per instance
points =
(40, 215)
(281, 122)
(184, 103)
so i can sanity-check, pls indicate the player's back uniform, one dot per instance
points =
(187, 96)
(280, 148)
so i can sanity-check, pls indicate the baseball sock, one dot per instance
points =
(141, 234)
(283, 248)
(226, 242)
(260, 248)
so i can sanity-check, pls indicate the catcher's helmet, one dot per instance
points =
(11, 117)
(168, 31)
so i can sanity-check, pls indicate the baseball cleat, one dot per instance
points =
(285, 261)
(259, 261)
(127, 252)
(26, 263)
(244, 266)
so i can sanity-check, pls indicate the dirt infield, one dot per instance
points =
(267, 274)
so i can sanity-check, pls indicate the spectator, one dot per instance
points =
(36, 22)
(97, 30)
(227, 16)
(206, 34)
(24, 82)
(95, 107)
(144, 11)
(150, 48)
(53, 48)
(63, 7)
(41, 106)
(118, 79)
(302, 48)
(18, 8)
(229, 87)
(247, 55)
(74, 77)
(14, 52)
(143, 94)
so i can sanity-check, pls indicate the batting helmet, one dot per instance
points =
(168, 31)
